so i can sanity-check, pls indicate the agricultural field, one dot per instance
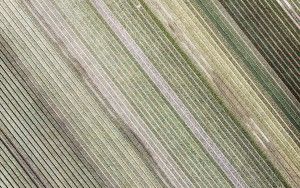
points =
(149, 93)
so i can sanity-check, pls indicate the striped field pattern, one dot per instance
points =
(149, 93)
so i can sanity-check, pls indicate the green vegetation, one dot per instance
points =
(141, 93)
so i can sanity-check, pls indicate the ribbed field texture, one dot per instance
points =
(149, 93)
(275, 35)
